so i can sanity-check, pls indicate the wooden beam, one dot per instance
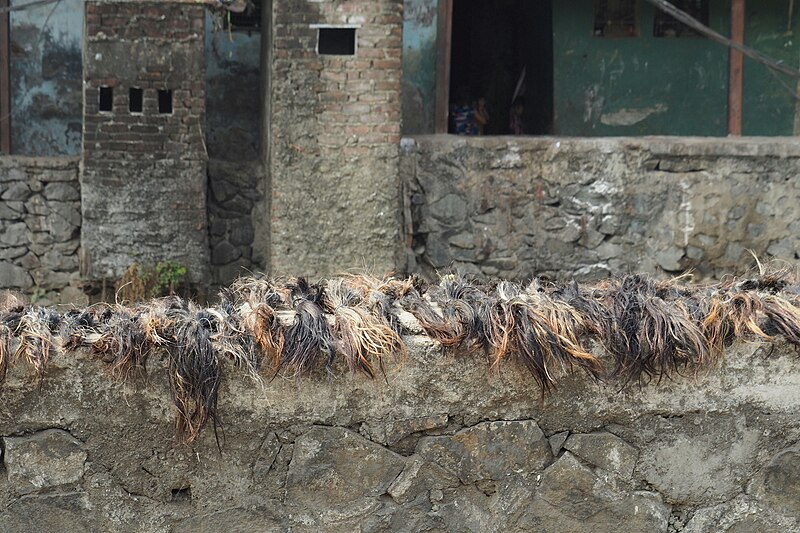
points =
(5, 80)
(444, 35)
(736, 81)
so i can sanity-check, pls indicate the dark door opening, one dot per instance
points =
(501, 49)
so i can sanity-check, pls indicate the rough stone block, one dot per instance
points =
(490, 450)
(14, 277)
(572, 498)
(335, 457)
(604, 450)
(45, 459)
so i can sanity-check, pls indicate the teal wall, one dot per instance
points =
(769, 99)
(419, 65)
(637, 86)
(46, 75)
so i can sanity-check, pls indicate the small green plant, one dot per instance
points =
(150, 281)
(169, 275)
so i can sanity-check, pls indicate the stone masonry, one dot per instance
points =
(589, 208)
(443, 444)
(335, 131)
(40, 222)
(144, 171)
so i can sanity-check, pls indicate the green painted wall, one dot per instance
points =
(769, 99)
(637, 86)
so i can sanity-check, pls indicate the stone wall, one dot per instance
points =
(587, 208)
(235, 188)
(40, 225)
(335, 129)
(144, 172)
(444, 443)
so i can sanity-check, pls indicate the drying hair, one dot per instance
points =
(650, 330)
(361, 337)
(309, 339)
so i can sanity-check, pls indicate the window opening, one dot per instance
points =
(336, 41)
(248, 20)
(615, 18)
(106, 99)
(667, 26)
(501, 68)
(165, 101)
(135, 100)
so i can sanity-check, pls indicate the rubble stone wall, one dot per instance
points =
(40, 225)
(561, 207)
(443, 443)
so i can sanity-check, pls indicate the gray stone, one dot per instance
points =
(463, 240)
(335, 457)
(14, 234)
(490, 450)
(670, 258)
(266, 456)
(390, 432)
(604, 450)
(45, 459)
(688, 462)
(234, 520)
(418, 477)
(6, 213)
(73, 296)
(12, 174)
(7, 254)
(224, 253)
(241, 233)
(55, 260)
(782, 482)
(61, 192)
(450, 210)
(14, 277)
(16, 191)
(557, 442)
(218, 228)
(37, 205)
(740, 515)
(572, 498)
(29, 262)
(783, 248)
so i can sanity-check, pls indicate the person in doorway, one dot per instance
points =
(481, 116)
(515, 121)
(462, 114)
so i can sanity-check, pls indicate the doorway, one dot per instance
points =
(502, 52)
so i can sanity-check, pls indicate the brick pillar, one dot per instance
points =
(144, 171)
(335, 132)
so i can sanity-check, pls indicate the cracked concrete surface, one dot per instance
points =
(446, 445)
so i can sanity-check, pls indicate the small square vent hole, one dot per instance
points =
(136, 100)
(336, 41)
(165, 101)
(106, 99)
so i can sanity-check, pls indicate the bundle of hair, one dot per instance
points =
(649, 329)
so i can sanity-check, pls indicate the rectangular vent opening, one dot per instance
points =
(336, 41)
(165, 101)
(136, 100)
(106, 99)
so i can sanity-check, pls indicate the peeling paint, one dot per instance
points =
(46, 79)
(631, 116)
(419, 65)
